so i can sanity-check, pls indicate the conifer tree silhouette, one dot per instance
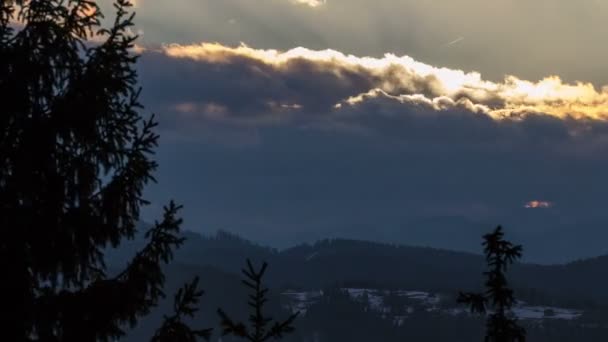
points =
(173, 328)
(501, 326)
(75, 155)
(262, 327)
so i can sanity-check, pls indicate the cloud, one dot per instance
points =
(403, 76)
(311, 3)
(204, 90)
(283, 141)
(233, 95)
(538, 205)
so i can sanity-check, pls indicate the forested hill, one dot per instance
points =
(307, 270)
(370, 264)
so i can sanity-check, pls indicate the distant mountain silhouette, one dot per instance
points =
(334, 263)
(363, 263)
(548, 237)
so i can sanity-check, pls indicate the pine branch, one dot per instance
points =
(174, 329)
(262, 328)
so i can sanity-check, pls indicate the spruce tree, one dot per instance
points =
(263, 328)
(501, 325)
(75, 155)
(174, 328)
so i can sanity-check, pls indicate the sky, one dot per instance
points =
(292, 120)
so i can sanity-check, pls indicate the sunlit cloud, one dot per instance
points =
(436, 103)
(538, 205)
(311, 3)
(404, 79)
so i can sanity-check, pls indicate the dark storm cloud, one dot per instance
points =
(300, 146)
(212, 82)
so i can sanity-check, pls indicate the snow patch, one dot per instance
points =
(375, 299)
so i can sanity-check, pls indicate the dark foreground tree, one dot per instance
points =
(262, 328)
(501, 325)
(75, 155)
(184, 305)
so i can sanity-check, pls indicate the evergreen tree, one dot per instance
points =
(75, 155)
(501, 326)
(263, 328)
(174, 328)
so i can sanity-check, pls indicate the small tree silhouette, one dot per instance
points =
(260, 323)
(501, 326)
(173, 328)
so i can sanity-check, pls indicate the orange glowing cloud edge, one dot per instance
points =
(451, 87)
(536, 204)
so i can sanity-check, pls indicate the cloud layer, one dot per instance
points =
(321, 142)
(405, 80)
(202, 85)
(310, 3)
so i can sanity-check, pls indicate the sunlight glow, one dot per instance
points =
(538, 204)
(310, 3)
(511, 98)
